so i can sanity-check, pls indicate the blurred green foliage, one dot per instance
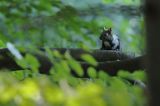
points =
(69, 24)
(43, 90)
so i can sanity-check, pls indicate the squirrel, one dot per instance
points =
(109, 41)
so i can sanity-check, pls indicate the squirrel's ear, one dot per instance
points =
(110, 29)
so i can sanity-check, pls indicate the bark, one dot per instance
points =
(112, 67)
(152, 18)
(109, 61)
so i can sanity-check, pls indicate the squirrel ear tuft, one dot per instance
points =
(105, 29)
(110, 29)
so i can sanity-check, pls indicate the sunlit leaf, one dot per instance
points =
(88, 58)
(103, 76)
(75, 66)
(140, 75)
(123, 73)
(92, 72)
(32, 61)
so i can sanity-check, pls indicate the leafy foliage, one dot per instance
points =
(27, 87)
(43, 90)
(68, 24)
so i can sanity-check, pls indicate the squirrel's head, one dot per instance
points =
(106, 34)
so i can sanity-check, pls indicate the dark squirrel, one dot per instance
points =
(109, 41)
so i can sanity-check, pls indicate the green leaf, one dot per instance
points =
(19, 74)
(88, 58)
(102, 75)
(139, 75)
(49, 53)
(64, 65)
(118, 83)
(92, 72)
(29, 61)
(124, 74)
(2, 45)
(32, 61)
(57, 54)
(75, 66)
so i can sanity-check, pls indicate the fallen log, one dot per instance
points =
(108, 61)
(112, 67)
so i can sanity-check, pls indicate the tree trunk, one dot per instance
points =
(152, 18)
